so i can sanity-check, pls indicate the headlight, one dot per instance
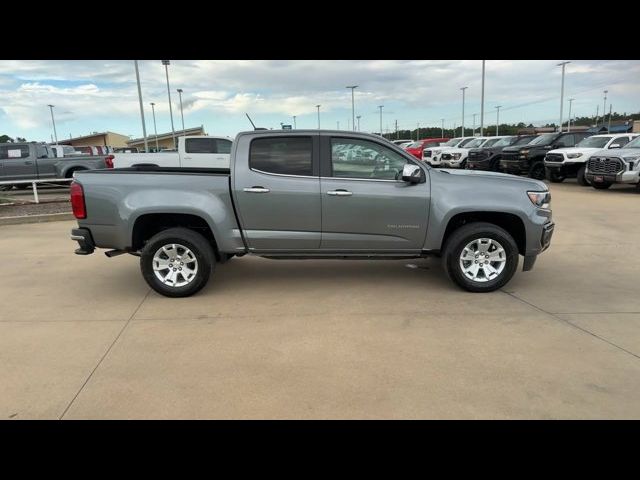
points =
(540, 199)
(574, 155)
(632, 161)
(456, 156)
(524, 152)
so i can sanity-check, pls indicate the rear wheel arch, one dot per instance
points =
(69, 173)
(149, 224)
(510, 222)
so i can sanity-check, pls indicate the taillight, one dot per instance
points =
(77, 201)
(109, 161)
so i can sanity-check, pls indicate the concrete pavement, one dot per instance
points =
(84, 337)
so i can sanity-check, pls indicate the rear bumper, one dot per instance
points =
(84, 239)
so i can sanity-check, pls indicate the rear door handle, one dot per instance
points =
(340, 193)
(28, 163)
(257, 190)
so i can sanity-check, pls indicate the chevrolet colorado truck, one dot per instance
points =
(529, 159)
(37, 161)
(572, 162)
(291, 195)
(488, 157)
(606, 167)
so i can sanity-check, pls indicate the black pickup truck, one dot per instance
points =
(529, 159)
(488, 158)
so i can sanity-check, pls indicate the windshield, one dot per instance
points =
(502, 142)
(633, 143)
(465, 143)
(524, 140)
(451, 143)
(491, 142)
(413, 145)
(594, 142)
(544, 139)
(476, 142)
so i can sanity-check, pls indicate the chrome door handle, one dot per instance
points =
(339, 193)
(257, 190)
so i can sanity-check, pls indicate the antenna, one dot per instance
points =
(253, 124)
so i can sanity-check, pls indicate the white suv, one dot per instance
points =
(433, 155)
(571, 162)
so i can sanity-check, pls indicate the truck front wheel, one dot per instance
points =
(581, 177)
(480, 257)
(177, 262)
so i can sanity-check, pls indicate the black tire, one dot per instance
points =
(495, 165)
(581, 178)
(5, 188)
(195, 242)
(23, 186)
(463, 165)
(466, 234)
(554, 177)
(537, 171)
(601, 186)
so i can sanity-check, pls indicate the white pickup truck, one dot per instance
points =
(199, 151)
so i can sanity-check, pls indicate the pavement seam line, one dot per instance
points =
(104, 355)
(553, 315)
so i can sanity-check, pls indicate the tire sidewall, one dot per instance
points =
(201, 250)
(460, 239)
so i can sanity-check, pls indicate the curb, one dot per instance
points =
(47, 217)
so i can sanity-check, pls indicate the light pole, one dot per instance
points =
(294, 122)
(181, 111)
(569, 122)
(353, 105)
(318, 107)
(597, 114)
(474, 124)
(442, 127)
(155, 128)
(53, 120)
(609, 124)
(358, 117)
(604, 106)
(498, 119)
(418, 132)
(144, 125)
(380, 107)
(166, 64)
(338, 124)
(482, 103)
(463, 89)
(563, 64)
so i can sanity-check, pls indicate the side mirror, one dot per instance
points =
(411, 173)
(614, 145)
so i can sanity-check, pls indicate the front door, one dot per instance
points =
(278, 192)
(365, 204)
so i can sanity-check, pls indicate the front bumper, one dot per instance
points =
(566, 169)
(484, 164)
(632, 177)
(545, 242)
(515, 166)
(84, 239)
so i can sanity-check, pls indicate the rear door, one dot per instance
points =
(203, 152)
(17, 164)
(278, 191)
(366, 206)
(45, 162)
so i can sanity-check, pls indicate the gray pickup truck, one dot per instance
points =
(312, 194)
(36, 161)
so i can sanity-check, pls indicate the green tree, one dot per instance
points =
(6, 139)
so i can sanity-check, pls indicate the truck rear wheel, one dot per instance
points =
(177, 262)
(480, 257)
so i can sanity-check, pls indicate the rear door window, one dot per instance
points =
(282, 155)
(223, 146)
(201, 145)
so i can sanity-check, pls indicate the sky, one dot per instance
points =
(99, 95)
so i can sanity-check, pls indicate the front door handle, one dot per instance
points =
(257, 190)
(340, 193)
(28, 163)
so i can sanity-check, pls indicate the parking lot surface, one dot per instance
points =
(84, 337)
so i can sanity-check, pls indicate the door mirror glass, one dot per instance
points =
(614, 145)
(411, 173)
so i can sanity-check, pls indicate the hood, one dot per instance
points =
(454, 150)
(574, 150)
(617, 152)
(528, 183)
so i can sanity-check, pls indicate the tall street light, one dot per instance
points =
(463, 89)
(482, 103)
(144, 124)
(380, 107)
(181, 112)
(53, 120)
(338, 122)
(318, 107)
(498, 120)
(155, 129)
(442, 127)
(474, 123)
(569, 122)
(604, 106)
(166, 64)
(358, 117)
(294, 122)
(563, 64)
(353, 108)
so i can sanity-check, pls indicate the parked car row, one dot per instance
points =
(597, 160)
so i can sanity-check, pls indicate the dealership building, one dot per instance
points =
(165, 140)
(96, 139)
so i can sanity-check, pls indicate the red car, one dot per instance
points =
(416, 148)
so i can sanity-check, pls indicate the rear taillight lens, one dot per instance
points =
(109, 161)
(77, 201)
